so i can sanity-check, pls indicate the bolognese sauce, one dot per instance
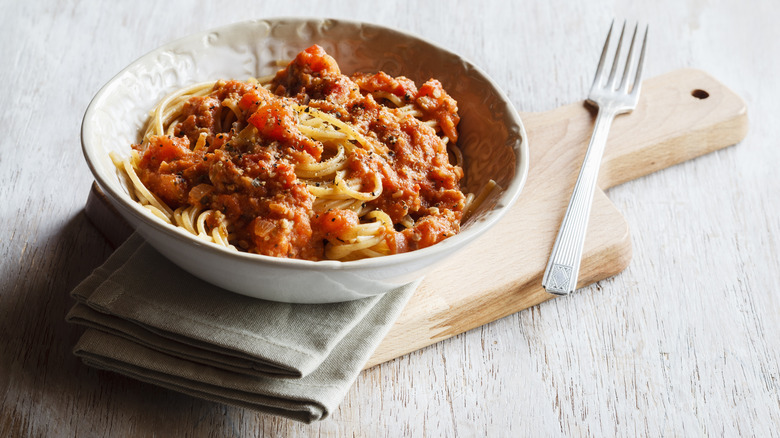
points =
(240, 153)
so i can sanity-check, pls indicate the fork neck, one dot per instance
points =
(598, 141)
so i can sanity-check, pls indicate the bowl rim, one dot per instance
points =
(122, 200)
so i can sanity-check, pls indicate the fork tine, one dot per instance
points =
(611, 81)
(640, 66)
(624, 85)
(597, 78)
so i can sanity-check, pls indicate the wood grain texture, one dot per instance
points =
(683, 342)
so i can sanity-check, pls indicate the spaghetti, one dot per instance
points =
(308, 163)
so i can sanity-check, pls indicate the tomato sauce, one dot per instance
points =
(248, 175)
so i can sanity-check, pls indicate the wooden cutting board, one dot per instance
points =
(680, 115)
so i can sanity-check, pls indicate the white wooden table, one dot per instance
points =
(683, 343)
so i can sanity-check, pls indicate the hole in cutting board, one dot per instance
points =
(700, 94)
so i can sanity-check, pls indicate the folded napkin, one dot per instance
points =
(148, 319)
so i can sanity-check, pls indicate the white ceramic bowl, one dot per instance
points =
(492, 138)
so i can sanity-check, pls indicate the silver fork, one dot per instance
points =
(611, 98)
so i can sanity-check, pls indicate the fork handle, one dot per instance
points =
(560, 276)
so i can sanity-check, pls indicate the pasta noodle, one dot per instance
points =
(307, 163)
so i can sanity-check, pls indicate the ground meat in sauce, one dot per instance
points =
(248, 175)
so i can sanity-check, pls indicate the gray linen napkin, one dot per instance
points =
(150, 320)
